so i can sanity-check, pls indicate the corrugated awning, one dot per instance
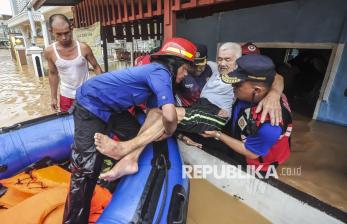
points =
(38, 3)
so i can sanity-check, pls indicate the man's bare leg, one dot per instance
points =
(152, 127)
(129, 164)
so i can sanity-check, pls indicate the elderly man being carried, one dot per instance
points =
(209, 113)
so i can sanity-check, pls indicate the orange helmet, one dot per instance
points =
(178, 47)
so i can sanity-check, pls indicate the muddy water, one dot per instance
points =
(320, 150)
(207, 205)
(22, 95)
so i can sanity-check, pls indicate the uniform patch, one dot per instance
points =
(189, 86)
(251, 48)
(242, 122)
(163, 97)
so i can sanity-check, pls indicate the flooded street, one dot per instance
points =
(23, 96)
(317, 147)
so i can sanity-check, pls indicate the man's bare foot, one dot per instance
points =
(122, 168)
(108, 146)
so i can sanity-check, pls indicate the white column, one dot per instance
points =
(44, 31)
(32, 25)
(25, 35)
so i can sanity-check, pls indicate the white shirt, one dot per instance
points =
(73, 73)
(218, 92)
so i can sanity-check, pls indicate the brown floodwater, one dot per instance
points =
(319, 149)
(24, 96)
(208, 204)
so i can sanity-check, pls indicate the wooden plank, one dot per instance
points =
(89, 5)
(169, 21)
(108, 14)
(125, 11)
(176, 4)
(86, 2)
(140, 7)
(97, 10)
(119, 5)
(113, 11)
(188, 5)
(102, 13)
(76, 17)
(167, 12)
(205, 2)
(92, 15)
(132, 9)
(159, 9)
(149, 12)
(84, 14)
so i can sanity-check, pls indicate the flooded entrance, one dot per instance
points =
(319, 149)
(303, 71)
(24, 96)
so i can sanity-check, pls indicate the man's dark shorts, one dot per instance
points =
(202, 116)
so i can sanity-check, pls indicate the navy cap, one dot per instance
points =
(252, 67)
(201, 54)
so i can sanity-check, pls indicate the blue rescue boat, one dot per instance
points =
(157, 193)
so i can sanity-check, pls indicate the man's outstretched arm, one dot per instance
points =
(237, 145)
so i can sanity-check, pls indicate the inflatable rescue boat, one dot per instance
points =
(157, 193)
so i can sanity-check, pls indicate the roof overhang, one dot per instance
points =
(22, 19)
(47, 11)
(38, 3)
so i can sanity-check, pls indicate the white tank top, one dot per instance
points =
(72, 73)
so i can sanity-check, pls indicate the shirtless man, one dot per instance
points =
(67, 62)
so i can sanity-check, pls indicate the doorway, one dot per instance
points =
(303, 71)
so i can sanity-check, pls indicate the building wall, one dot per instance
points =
(309, 21)
(335, 108)
(302, 21)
